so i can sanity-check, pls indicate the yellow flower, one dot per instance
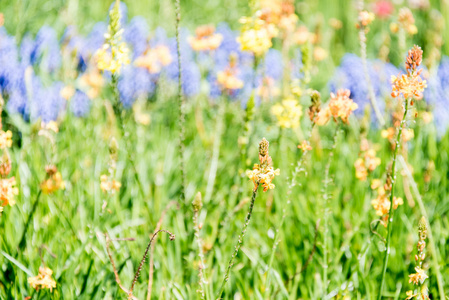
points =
(305, 146)
(287, 113)
(365, 18)
(109, 185)
(43, 280)
(419, 277)
(114, 53)
(5, 139)
(407, 21)
(206, 39)
(228, 80)
(388, 133)
(53, 183)
(408, 86)
(263, 173)
(154, 59)
(256, 35)
(8, 191)
(67, 92)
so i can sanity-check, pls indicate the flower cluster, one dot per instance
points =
(108, 184)
(263, 173)
(382, 203)
(53, 182)
(411, 84)
(154, 59)
(340, 106)
(256, 34)
(367, 162)
(420, 276)
(114, 53)
(406, 22)
(365, 18)
(280, 13)
(206, 39)
(287, 113)
(5, 139)
(8, 191)
(43, 280)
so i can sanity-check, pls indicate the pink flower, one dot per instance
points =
(383, 8)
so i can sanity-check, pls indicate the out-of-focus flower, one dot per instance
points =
(205, 39)
(136, 34)
(43, 280)
(319, 53)
(108, 185)
(92, 82)
(154, 59)
(302, 35)
(335, 23)
(8, 191)
(383, 8)
(46, 50)
(80, 104)
(53, 182)
(256, 35)
(305, 146)
(114, 53)
(365, 18)
(407, 21)
(382, 204)
(67, 92)
(2, 20)
(340, 106)
(367, 162)
(5, 139)
(287, 113)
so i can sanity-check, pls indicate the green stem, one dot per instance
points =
(391, 212)
(22, 242)
(422, 208)
(202, 264)
(118, 111)
(326, 197)
(239, 242)
(181, 104)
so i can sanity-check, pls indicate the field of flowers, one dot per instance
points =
(269, 149)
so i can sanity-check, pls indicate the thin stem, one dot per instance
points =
(158, 227)
(372, 96)
(391, 212)
(114, 268)
(22, 242)
(202, 264)
(296, 171)
(215, 152)
(118, 111)
(326, 197)
(181, 104)
(433, 251)
(145, 254)
(239, 242)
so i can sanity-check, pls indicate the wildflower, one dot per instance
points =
(388, 133)
(228, 80)
(383, 8)
(206, 39)
(108, 185)
(53, 182)
(5, 139)
(335, 23)
(5, 164)
(382, 204)
(302, 35)
(67, 92)
(340, 106)
(407, 21)
(315, 106)
(410, 84)
(287, 113)
(305, 146)
(365, 18)
(2, 20)
(8, 191)
(93, 82)
(114, 53)
(319, 53)
(263, 173)
(154, 59)
(256, 35)
(43, 280)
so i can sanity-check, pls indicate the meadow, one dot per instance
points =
(186, 149)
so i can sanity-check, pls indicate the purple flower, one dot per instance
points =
(136, 34)
(46, 50)
(80, 104)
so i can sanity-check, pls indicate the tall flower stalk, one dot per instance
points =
(339, 109)
(181, 105)
(364, 19)
(314, 109)
(262, 174)
(112, 57)
(405, 87)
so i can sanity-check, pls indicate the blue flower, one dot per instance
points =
(80, 104)
(135, 83)
(136, 34)
(46, 50)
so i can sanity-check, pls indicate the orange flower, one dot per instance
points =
(8, 191)
(43, 280)
(206, 39)
(340, 106)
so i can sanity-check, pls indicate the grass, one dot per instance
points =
(66, 231)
